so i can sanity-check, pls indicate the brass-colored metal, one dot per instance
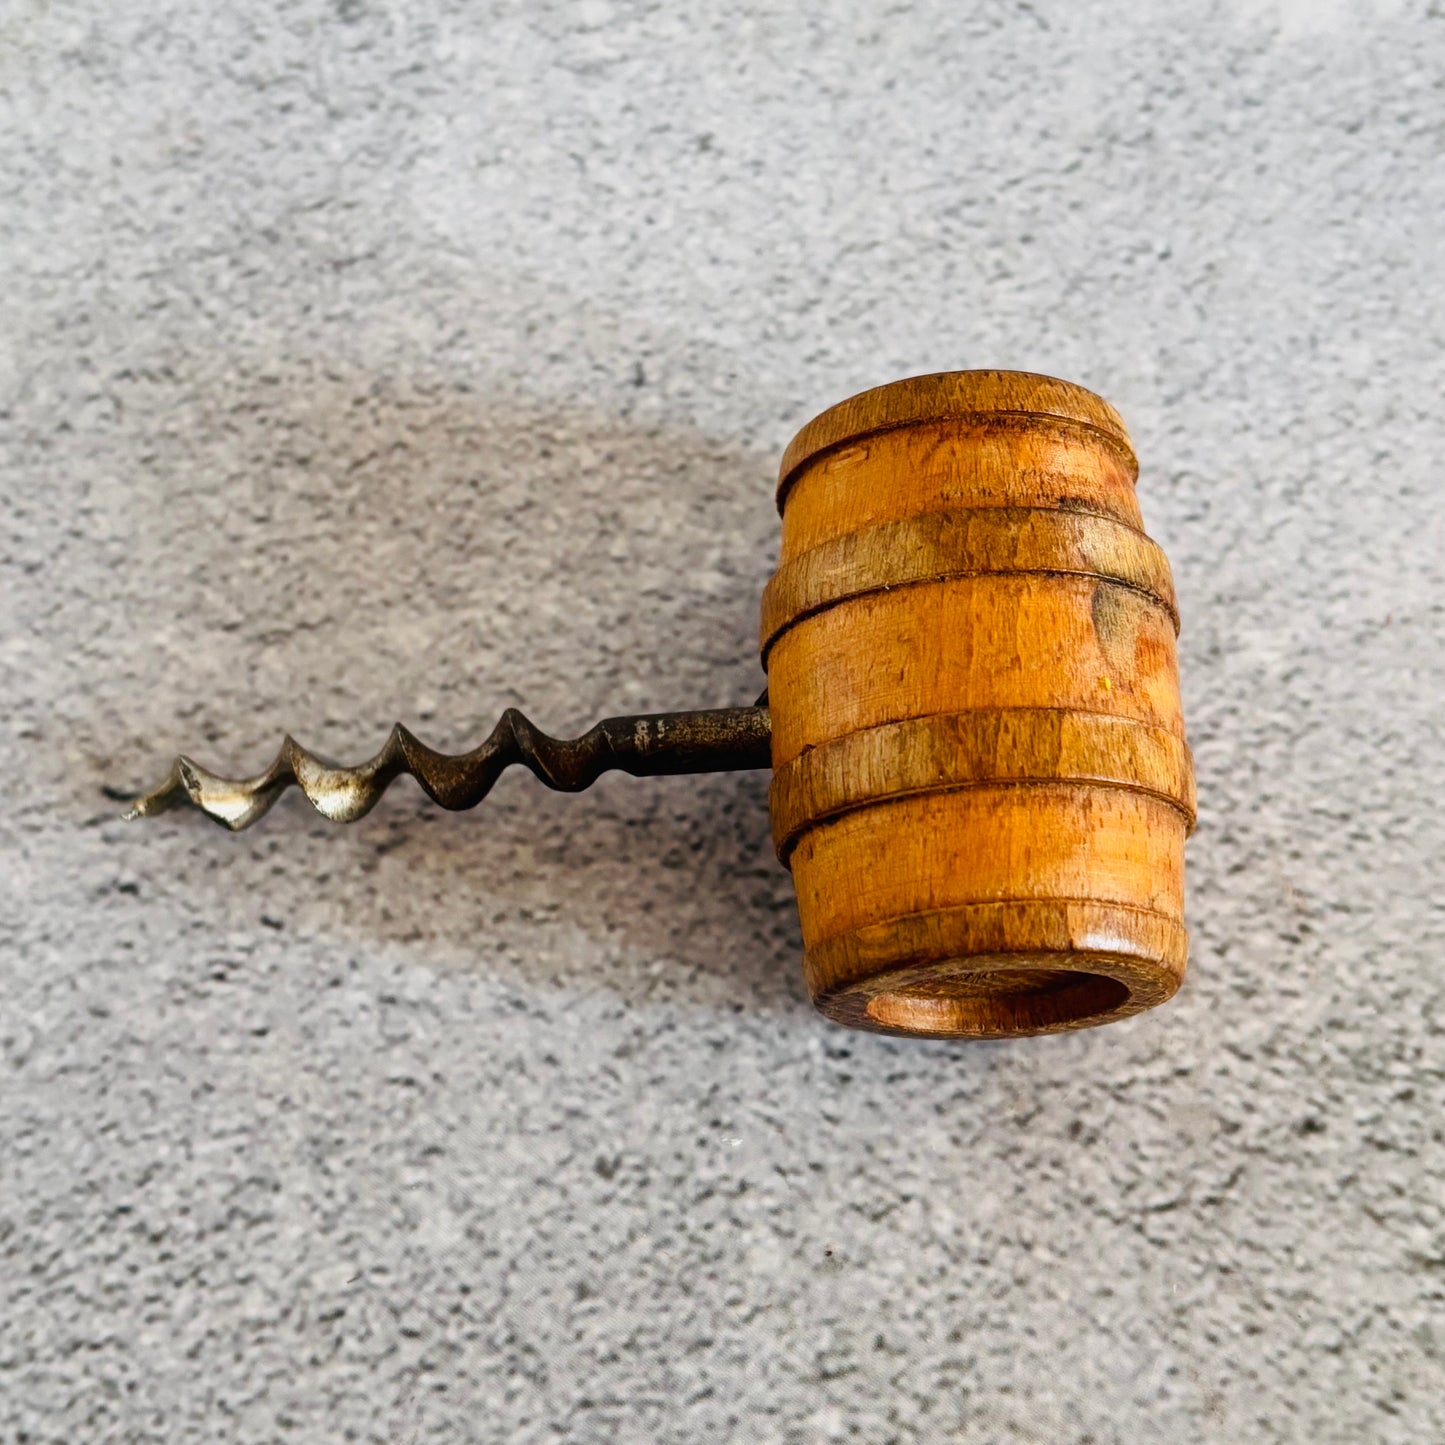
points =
(714, 740)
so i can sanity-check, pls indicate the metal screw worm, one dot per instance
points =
(713, 740)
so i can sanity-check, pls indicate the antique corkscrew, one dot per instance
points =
(980, 783)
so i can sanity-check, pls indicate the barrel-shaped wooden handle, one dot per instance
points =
(981, 780)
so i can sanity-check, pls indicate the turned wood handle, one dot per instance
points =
(981, 781)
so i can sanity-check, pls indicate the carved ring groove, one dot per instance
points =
(945, 751)
(964, 542)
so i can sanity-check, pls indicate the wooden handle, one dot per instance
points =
(981, 781)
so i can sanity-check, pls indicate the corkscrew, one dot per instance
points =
(980, 783)
(713, 740)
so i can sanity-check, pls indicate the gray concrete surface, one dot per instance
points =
(367, 360)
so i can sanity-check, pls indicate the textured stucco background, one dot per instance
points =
(368, 360)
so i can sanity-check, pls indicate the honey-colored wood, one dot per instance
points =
(981, 781)
(981, 449)
(963, 542)
(946, 751)
(1011, 640)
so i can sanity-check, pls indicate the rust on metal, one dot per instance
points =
(712, 740)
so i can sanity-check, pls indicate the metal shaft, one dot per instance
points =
(714, 740)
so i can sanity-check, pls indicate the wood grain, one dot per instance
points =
(944, 752)
(955, 398)
(981, 779)
(973, 462)
(964, 542)
(1017, 640)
